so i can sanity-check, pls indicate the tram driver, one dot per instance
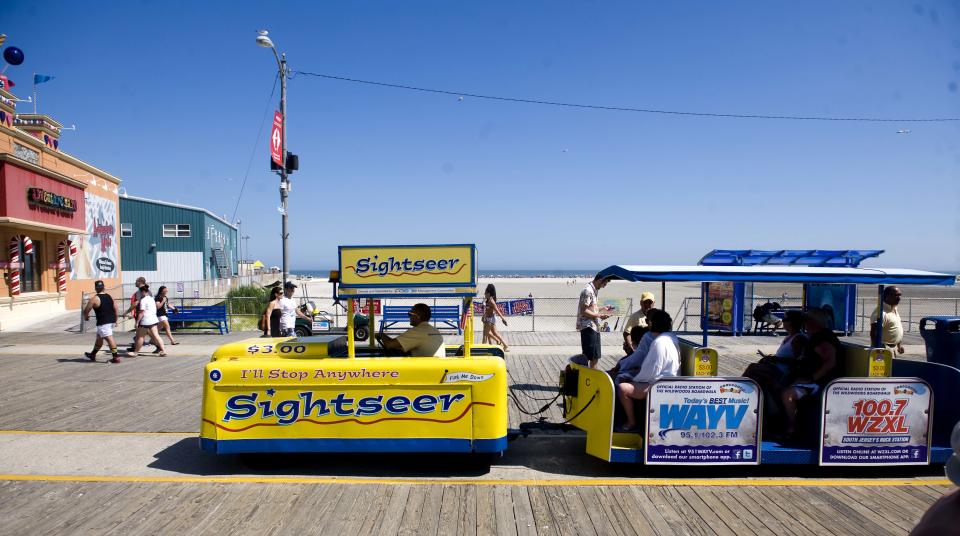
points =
(421, 340)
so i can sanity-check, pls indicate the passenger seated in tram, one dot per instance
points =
(638, 318)
(770, 371)
(629, 366)
(815, 367)
(631, 343)
(662, 360)
(421, 340)
(636, 333)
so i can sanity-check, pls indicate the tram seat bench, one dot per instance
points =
(856, 361)
(201, 317)
(441, 316)
(851, 359)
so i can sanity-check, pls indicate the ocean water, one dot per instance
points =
(537, 273)
(506, 272)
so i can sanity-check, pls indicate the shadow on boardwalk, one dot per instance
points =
(533, 457)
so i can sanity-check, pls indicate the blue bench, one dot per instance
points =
(447, 315)
(215, 317)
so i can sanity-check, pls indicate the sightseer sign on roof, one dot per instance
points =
(404, 266)
(395, 266)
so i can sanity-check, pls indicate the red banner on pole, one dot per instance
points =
(276, 139)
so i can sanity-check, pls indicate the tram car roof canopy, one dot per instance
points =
(778, 274)
(801, 257)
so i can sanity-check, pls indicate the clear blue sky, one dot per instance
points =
(170, 96)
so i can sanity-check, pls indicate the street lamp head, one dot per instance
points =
(264, 41)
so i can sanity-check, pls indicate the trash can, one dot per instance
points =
(942, 337)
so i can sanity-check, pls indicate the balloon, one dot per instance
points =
(13, 55)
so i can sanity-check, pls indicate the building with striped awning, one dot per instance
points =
(58, 220)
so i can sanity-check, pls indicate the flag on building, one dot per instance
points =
(41, 78)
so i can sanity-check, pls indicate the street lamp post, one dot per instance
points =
(239, 242)
(265, 42)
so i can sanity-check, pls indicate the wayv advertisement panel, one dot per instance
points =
(708, 421)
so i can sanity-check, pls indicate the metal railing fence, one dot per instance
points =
(202, 292)
(911, 310)
(550, 314)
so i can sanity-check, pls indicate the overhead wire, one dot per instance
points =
(256, 144)
(630, 109)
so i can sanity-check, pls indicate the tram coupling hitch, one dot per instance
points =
(569, 381)
(527, 428)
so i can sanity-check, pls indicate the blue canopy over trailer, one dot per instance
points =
(801, 257)
(729, 310)
(917, 377)
(778, 274)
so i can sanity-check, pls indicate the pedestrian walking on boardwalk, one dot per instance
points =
(489, 318)
(271, 315)
(289, 311)
(106, 311)
(131, 311)
(147, 322)
(163, 304)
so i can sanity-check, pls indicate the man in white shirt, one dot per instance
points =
(662, 360)
(421, 340)
(289, 311)
(892, 327)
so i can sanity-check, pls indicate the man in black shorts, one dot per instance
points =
(588, 320)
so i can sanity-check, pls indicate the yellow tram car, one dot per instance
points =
(328, 393)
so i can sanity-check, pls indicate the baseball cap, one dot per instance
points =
(289, 284)
(98, 285)
(647, 296)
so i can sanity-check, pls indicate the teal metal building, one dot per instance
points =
(168, 242)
